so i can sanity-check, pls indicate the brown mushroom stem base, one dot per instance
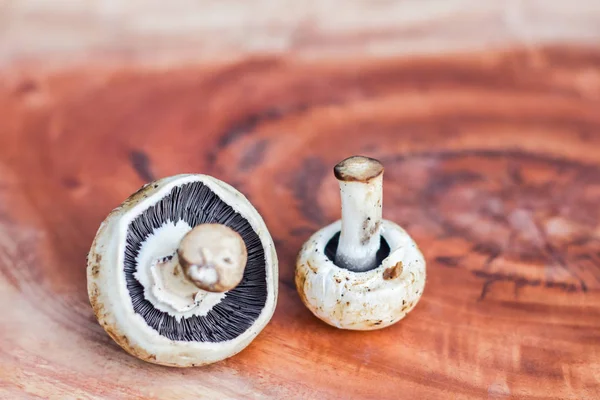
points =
(213, 257)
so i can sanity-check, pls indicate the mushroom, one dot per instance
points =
(184, 272)
(361, 272)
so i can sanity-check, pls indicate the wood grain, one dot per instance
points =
(182, 30)
(492, 164)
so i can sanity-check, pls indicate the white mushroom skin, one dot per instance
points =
(350, 297)
(110, 299)
(361, 191)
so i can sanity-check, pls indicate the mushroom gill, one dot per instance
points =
(194, 204)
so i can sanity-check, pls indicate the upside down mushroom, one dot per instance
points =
(184, 272)
(361, 272)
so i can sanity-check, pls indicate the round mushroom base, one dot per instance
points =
(366, 300)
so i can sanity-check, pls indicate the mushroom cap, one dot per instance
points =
(150, 224)
(367, 300)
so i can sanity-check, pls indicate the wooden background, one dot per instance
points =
(490, 138)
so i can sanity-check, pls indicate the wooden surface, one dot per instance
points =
(158, 31)
(492, 164)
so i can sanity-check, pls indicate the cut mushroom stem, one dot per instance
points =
(213, 257)
(361, 191)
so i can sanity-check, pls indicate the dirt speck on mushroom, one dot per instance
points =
(368, 230)
(300, 279)
(95, 293)
(137, 196)
(393, 272)
(125, 344)
(311, 267)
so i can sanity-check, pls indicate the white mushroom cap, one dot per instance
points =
(135, 249)
(340, 274)
(367, 300)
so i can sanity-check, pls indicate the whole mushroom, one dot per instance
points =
(184, 272)
(361, 272)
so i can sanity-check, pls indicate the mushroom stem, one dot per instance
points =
(213, 257)
(361, 191)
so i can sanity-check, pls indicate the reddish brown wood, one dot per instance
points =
(492, 164)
